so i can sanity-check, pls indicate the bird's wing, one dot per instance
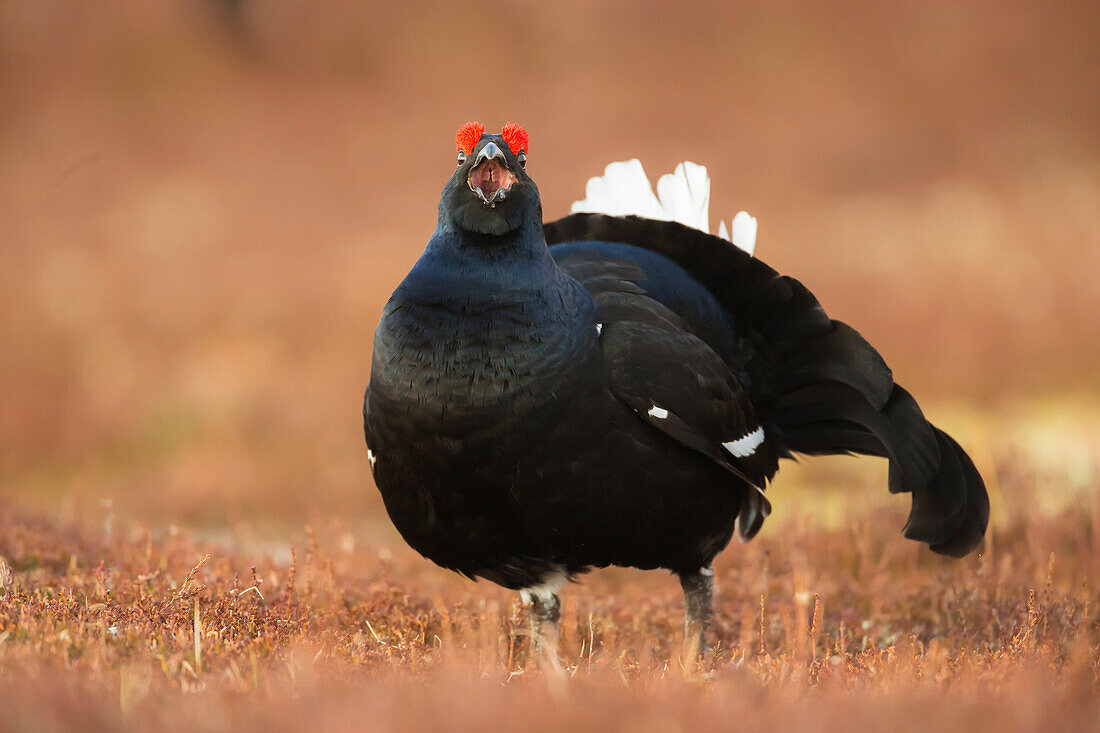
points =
(816, 384)
(677, 384)
(674, 381)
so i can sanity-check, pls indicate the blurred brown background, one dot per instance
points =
(205, 204)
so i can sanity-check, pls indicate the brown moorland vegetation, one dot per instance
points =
(828, 627)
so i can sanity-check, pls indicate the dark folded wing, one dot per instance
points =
(675, 381)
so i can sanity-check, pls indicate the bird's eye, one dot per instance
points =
(522, 157)
(461, 157)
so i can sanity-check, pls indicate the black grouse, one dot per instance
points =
(616, 390)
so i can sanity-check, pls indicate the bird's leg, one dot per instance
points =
(698, 594)
(544, 611)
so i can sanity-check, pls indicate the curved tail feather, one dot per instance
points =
(957, 475)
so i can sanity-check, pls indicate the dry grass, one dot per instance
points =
(826, 627)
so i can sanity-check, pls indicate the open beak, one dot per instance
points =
(490, 177)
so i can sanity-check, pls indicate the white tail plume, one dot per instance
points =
(682, 196)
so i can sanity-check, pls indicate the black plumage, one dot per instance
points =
(602, 390)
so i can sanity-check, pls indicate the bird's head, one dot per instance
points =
(490, 192)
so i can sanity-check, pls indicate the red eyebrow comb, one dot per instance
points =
(516, 137)
(467, 136)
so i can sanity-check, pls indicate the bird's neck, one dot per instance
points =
(473, 327)
(474, 267)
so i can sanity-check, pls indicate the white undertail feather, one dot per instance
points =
(685, 195)
(682, 196)
(744, 231)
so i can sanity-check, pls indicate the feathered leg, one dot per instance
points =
(698, 594)
(544, 611)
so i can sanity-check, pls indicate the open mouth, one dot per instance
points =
(490, 180)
